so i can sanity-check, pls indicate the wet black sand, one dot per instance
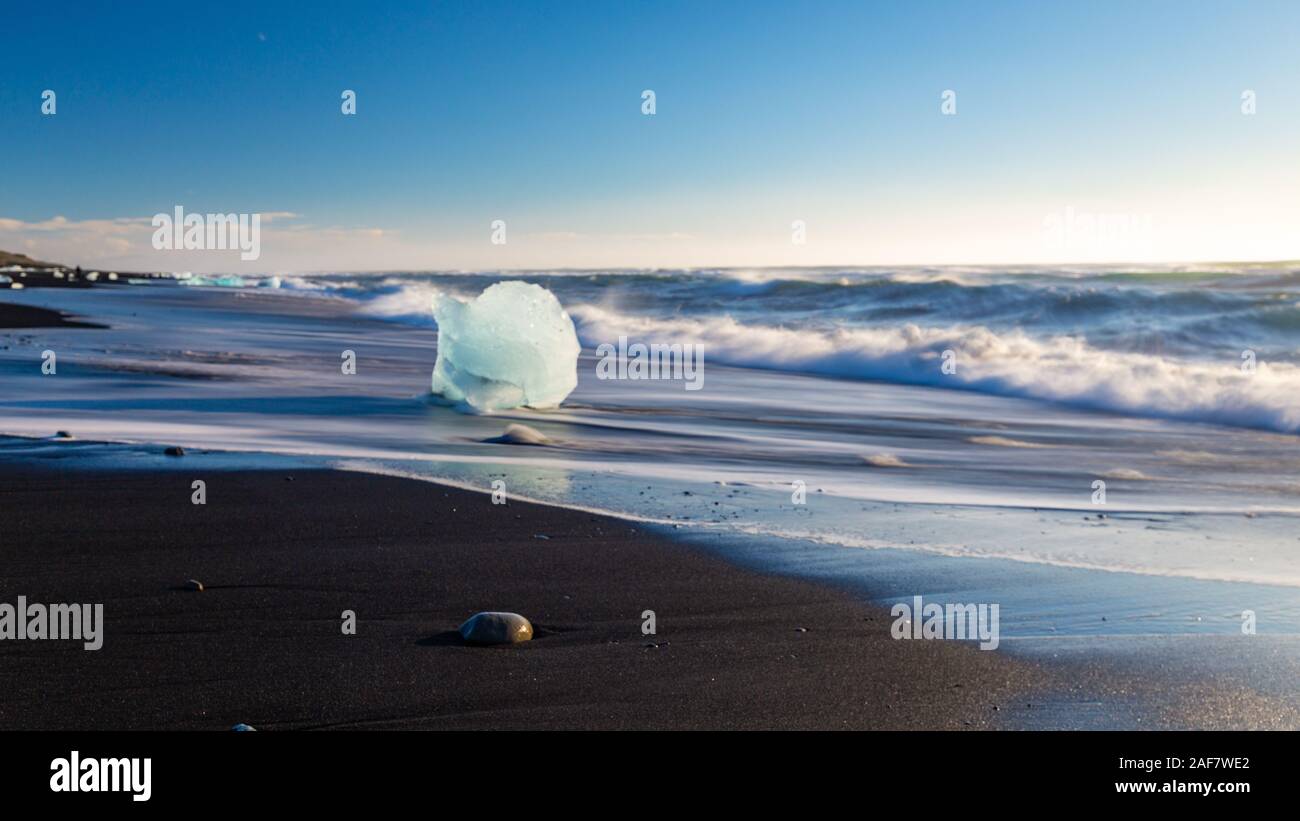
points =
(282, 559)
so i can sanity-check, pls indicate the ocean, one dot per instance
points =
(1105, 451)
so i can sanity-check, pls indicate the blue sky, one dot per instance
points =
(1121, 122)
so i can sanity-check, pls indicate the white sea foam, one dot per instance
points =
(409, 303)
(1002, 442)
(1012, 363)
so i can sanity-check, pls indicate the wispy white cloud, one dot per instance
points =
(125, 243)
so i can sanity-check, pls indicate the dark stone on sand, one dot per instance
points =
(195, 585)
(175, 450)
(496, 628)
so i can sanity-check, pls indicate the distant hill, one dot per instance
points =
(8, 258)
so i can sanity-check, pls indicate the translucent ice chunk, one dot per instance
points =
(511, 346)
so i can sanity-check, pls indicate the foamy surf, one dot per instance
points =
(1157, 341)
(1063, 369)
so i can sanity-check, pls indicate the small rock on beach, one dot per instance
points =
(496, 628)
(520, 435)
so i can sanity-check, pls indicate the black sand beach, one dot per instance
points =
(742, 641)
(281, 558)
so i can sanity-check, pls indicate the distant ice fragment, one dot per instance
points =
(884, 460)
(511, 346)
(520, 435)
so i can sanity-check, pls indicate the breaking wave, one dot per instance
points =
(1059, 368)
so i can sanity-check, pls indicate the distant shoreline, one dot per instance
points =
(28, 316)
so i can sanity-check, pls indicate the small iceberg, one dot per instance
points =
(511, 346)
(230, 281)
